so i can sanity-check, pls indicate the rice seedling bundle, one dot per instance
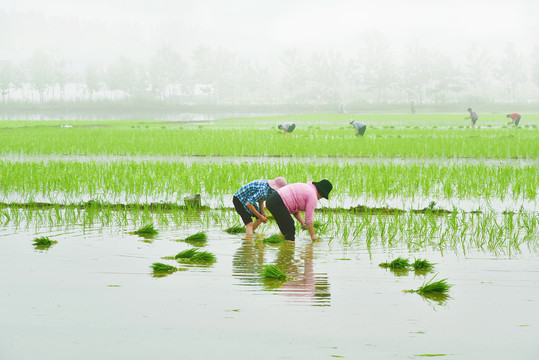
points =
(163, 268)
(235, 229)
(274, 272)
(398, 263)
(273, 239)
(193, 255)
(43, 242)
(197, 239)
(422, 265)
(146, 230)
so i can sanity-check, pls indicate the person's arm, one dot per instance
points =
(297, 215)
(256, 213)
(310, 229)
(262, 209)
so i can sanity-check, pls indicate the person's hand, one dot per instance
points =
(314, 238)
(263, 219)
(304, 226)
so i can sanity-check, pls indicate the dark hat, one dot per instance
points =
(323, 187)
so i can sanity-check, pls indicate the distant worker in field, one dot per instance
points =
(249, 201)
(359, 126)
(473, 117)
(291, 199)
(515, 118)
(412, 107)
(287, 128)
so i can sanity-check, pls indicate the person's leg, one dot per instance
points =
(517, 121)
(245, 216)
(284, 220)
(256, 223)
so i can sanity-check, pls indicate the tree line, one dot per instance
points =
(218, 76)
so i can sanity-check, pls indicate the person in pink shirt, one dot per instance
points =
(293, 198)
(515, 117)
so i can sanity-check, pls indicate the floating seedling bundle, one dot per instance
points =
(235, 229)
(147, 230)
(193, 255)
(404, 264)
(43, 243)
(274, 272)
(198, 239)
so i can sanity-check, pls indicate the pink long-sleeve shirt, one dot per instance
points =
(300, 197)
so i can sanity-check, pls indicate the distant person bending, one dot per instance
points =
(249, 201)
(473, 117)
(293, 198)
(359, 126)
(515, 118)
(287, 128)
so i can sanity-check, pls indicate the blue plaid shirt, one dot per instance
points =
(252, 193)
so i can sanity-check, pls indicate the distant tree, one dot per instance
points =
(375, 65)
(166, 69)
(511, 70)
(10, 79)
(416, 72)
(41, 73)
(535, 66)
(294, 74)
(93, 79)
(445, 77)
(61, 76)
(127, 76)
(204, 69)
(325, 73)
(478, 70)
(254, 81)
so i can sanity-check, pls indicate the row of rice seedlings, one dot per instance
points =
(151, 182)
(458, 231)
(416, 142)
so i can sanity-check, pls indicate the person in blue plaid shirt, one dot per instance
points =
(249, 201)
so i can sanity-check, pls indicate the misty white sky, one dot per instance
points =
(263, 26)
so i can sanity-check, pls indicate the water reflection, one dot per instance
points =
(303, 285)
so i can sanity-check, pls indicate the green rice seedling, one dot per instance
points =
(399, 263)
(203, 257)
(422, 265)
(274, 272)
(163, 268)
(197, 239)
(43, 243)
(236, 229)
(195, 256)
(273, 239)
(186, 254)
(146, 230)
(436, 287)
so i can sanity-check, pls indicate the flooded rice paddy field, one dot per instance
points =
(93, 294)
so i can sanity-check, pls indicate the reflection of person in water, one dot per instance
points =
(248, 263)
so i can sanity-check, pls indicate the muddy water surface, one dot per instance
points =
(93, 295)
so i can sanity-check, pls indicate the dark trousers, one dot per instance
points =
(278, 209)
(361, 130)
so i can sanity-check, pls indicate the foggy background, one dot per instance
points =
(325, 52)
